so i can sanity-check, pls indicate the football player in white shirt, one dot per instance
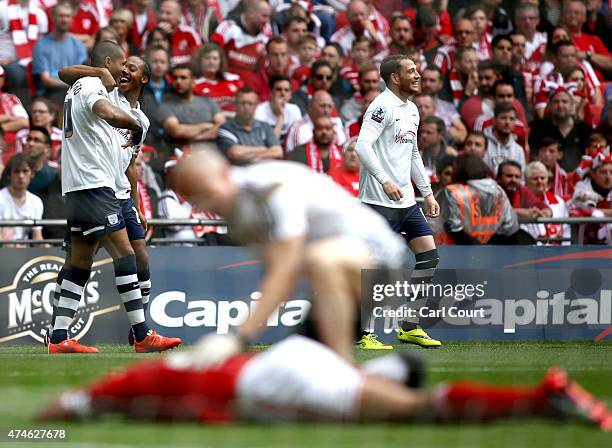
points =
(90, 162)
(300, 221)
(390, 158)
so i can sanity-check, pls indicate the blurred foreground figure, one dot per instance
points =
(301, 380)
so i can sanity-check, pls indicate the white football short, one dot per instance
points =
(299, 379)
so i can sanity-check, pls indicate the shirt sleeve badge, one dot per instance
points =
(378, 115)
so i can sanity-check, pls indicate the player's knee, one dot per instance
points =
(427, 260)
(142, 258)
(317, 260)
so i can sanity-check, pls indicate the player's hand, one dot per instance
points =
(213, 350)
(432, 209)
(107, 80)
(134, 140)
(143, 221)
(394, 192)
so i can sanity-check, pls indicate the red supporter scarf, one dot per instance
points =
(145, 206)
(24, 40)
(313, 157)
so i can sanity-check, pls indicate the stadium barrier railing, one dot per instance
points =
(574, 223)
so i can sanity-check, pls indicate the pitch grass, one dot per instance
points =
(29, 378)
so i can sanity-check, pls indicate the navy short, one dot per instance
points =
(132, 221)
(94, 212)
(410, 222)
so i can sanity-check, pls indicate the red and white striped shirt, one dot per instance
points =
(520, 130)
(535, 50)
(245, 52)
(544, 85)
(222, 91)
(301, 132)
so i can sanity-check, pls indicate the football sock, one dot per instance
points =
(474, 402)
(144, 279)
(56, 296)
(128, 287)
(73, 283)
(424, 270)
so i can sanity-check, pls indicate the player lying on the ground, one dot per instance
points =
(299, 379)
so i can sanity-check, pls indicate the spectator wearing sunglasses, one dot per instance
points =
(322, 77)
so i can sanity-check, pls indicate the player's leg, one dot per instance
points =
(418, 234)
(74, 278)
(334, 269)
(136, 236)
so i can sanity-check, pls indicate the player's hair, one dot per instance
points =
(497, 39)
(146, 69)
(275, 40)
(469, 167)
(206, 48)
(19, 159)
(105, 49)
(182, 67)
(505, 163)
(562, 43)
(43, 131)
(278, 78)
(501, 82)
(391, 65)
(548, 141)
(502, 108)
(440, 126)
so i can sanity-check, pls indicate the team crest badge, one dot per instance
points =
(378, 115)
(113, 219)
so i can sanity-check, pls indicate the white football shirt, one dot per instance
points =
(387, 149)
(88, 159)
(31, 209)
(121, 136)
(281, 200)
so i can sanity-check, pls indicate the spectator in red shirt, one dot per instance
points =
(183, 39)
(525, 203)
(214, 81)
(307, 54)
(402, 34)
(294, 30)
(464, 36)
(276, 64)
(482, 102)
(85, 23)
(145, 18)
(347, 174)
(445, 23)
(463, 77)
(361, 55)
(244, 41)
(202, 16)
(591, 48)
(158, 37)
(123, 21)
(13, 117)
(549, 153)
(527, 19)
(359, 24)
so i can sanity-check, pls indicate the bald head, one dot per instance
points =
(203, 179)
(321, 105)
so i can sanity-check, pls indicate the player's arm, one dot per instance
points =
(132, 175)
(421, 180)
(115, 116)
(374, 122)
(284, 261)
(73, 73)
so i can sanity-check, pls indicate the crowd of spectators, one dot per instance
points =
(521, 86)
